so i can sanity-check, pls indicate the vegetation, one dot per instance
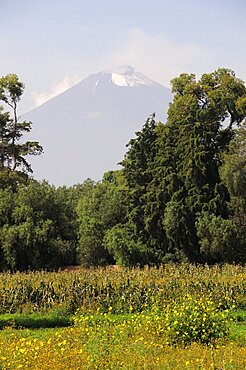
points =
(113, 345)
(37, 229)
(35, 320)
(13, 152)
(174, 316)
(180, 195)
(124, 290)
(172, 172)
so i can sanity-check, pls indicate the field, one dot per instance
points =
(172, 317)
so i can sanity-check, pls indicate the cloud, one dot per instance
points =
(160, 57)
(66, 83)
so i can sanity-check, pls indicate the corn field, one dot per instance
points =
(122, 290)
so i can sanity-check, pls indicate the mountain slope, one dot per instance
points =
(84, 131)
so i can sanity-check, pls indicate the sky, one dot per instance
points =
(53, 44)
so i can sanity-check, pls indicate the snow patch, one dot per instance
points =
(131, 79)
(119, 80)
(126, 76)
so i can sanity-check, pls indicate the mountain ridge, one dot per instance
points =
(85, 129)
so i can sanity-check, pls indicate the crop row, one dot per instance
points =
(122, 290)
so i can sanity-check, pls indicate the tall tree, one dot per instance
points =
(138, 172)
(13, 151)
(233, 173)
(201, 118)
(172, 170)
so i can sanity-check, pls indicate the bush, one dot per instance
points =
(195, 320)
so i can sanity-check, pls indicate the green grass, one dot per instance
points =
(239, 315)
(40, 334)
(238, 332)
(40, 325)
(34, 320)
(238, 326)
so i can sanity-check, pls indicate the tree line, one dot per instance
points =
(180, 195)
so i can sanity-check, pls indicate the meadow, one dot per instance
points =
(171, 317)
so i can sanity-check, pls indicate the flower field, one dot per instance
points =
(173, 317)
(108, 342)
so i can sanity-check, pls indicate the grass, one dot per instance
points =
(127, 319)
(110, 342)
(239, 315)
(238, 327)
(34, 320)
(41, 333)
(42, 324)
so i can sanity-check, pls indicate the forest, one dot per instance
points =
(180, 195)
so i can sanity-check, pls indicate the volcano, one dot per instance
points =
(84, 130)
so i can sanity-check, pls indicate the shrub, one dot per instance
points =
(195, 319)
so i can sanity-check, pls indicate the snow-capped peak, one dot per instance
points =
(126, 76)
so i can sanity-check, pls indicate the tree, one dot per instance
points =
(233, 174)
(122, 243)
(217, 238)
(233, 169)
(13, 152)
(138, 171)
(100, 208)
(201, 119)
(172, 170)
(36, 228)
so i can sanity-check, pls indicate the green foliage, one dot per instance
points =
(36, 230)
(138, 168)
(34, 321)
(11, 89)
(12, 179)
(217, 238)
(191, 320)
(119, 241)
(172, 171)
(233, 170)
(100, 208)
(233, 173)
(13, 152)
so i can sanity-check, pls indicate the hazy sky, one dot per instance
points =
(52, 44)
